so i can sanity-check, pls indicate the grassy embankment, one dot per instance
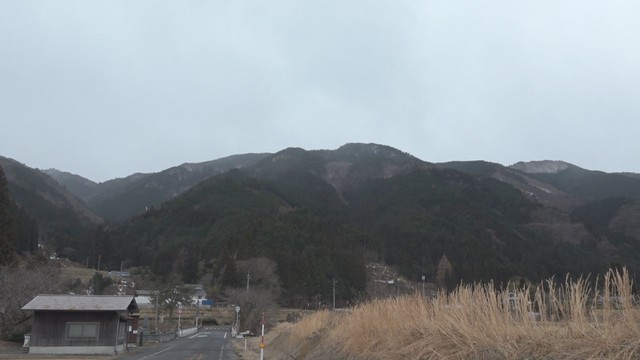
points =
(564, 321)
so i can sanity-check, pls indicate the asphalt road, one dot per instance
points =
(210, 343)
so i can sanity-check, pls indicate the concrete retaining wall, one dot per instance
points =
(187, 332)
(158, 338)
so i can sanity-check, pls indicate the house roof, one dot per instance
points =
(146, 292)
(81, 303)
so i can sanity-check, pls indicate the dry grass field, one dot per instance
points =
(574, 319)
(71, 271)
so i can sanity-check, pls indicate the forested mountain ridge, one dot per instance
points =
(83, 188)
(63, 221)
(18, 230)
(598, 211)
(581, 182)
(24, 181)
(7, 223)
(322, 214)
(119, 199)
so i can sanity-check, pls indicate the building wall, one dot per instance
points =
(50, 328)
(76, 350)
(132, 330)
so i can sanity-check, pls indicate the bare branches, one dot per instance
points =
(17, 287)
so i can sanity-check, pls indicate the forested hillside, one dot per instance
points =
(234, 217)
(120, 199)
(63, 221)
(322, 215)
(18, 231)
(585, 183)
(7, 223)
(478, 223)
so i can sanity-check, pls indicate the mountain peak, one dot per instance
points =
(542, 166)
(64, 177)
(359, 149)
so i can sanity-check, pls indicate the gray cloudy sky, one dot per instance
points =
(108, 88)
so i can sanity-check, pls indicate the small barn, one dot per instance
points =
(80, 324)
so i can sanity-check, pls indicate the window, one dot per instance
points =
(82, 330)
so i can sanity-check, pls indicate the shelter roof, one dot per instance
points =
(82, 303)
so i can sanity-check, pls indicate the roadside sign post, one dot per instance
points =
(237, 320)
(262, 345)
(197, 312)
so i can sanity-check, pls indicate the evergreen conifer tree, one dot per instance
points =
(7, 222)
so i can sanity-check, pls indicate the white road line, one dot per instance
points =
(222, 347)
(201, 334)
(156, 353)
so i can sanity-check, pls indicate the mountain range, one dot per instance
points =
(119, 199)
(323, 214)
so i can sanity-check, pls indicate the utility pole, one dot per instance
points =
(248, 277)
(156, 319)
(91, 285)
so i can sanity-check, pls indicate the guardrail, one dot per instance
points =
(187, 332)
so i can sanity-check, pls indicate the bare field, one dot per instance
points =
(72, 271)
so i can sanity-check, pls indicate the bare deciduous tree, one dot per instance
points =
(172, 296)
(443, 271)
(18, 286)
(262, 273)
(253, 304)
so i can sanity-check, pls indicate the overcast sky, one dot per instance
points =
(108, 88)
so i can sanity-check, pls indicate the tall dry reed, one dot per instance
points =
(572, 319)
